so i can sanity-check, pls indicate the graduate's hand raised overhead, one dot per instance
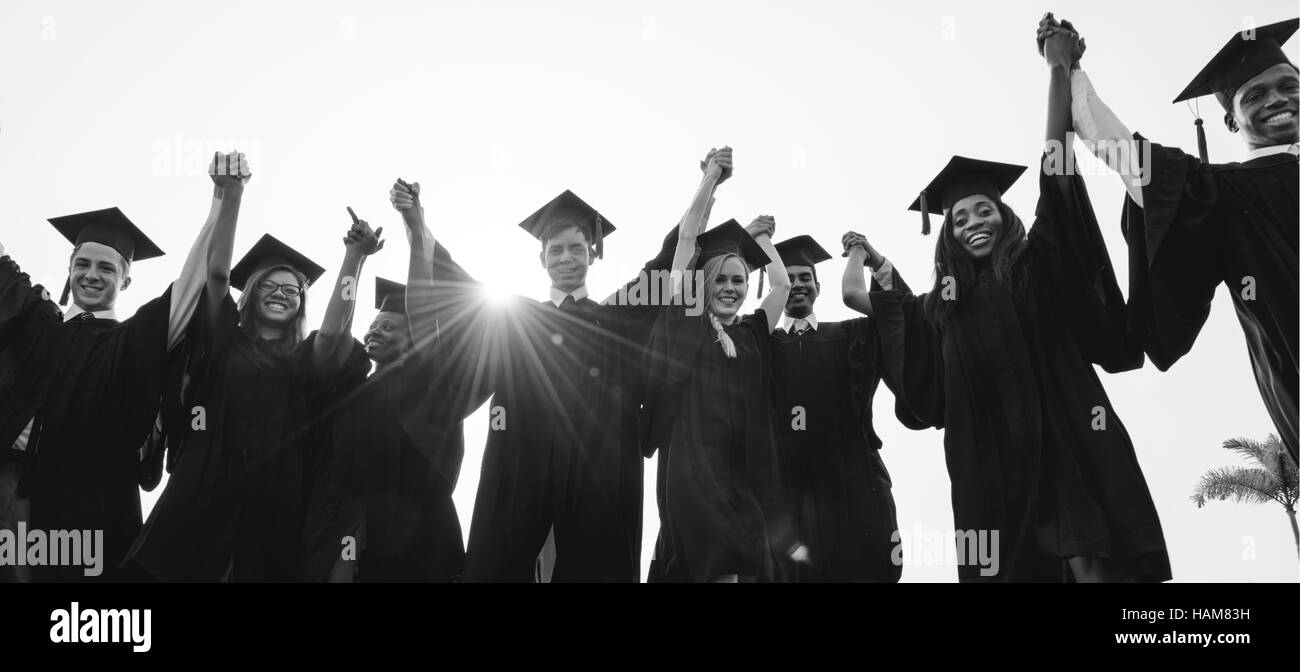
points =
(763, 225)
(405, 197)
(717, 163)
(1059, 42)
(855, 242)
(229, 171)
(361, 238)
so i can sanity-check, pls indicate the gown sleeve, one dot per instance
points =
(190, 369)
(636, 317)
(668, 361)
(1173, 271)
(470, 334)
(912, 356)
(139, 381)
(28, 319)
(1069, 259)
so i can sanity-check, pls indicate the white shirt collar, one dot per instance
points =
(75, 310)
(1292, 149)
(788, 322)
(557, 296)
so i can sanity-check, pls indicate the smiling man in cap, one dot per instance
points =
(81, 390)
(825, 375)
(562, 454)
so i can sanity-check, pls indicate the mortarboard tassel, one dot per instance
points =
(925, 215)
(67, 289)
(1200, 140)
(598, 236)
(762, 275)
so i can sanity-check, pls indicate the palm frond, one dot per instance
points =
(1260, 451)
(1238, 484)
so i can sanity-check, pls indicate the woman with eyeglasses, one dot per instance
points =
(244, 413)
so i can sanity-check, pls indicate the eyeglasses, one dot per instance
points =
(270, 286)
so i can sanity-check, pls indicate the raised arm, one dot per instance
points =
(717, 168)
(229, 172)
(334, 339)
(421, 309)
(1062, 51)
(1103, 133)
(853, 283)
(773, 305)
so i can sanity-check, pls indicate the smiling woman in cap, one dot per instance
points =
(233, 508)
(393, 457)
(707, 405)
(1192, 225)
(1000, 354)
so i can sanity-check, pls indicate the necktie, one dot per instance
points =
(800, 325)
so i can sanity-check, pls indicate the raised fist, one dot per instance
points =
(229, 170)
(404, 195)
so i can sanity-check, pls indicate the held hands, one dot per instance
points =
(1059, 42)
(763, 225)
(717, 163)
(229, 171)
(870, 256)
(361, 239)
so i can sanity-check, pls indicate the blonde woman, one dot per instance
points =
(708, 405)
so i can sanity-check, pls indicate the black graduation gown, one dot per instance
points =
(93, 386)
(233, 507)
(838, 488)
(721, 505)
(1011, 378)
(1204, 224)
(563, 447)
(394, 455)
(24, 364)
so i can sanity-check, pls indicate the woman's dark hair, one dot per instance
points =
(951, 260)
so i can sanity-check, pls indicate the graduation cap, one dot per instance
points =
(730, 237)
(1247, 53)
(107, 227)
(390, 297)
(268, 251)
(963, 177)
(569, 208)
(801, 251)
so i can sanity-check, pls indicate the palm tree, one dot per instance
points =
(1274, 480)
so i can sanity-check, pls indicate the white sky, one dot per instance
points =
(839, 112)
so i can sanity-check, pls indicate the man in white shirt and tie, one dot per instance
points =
(562, 459)
(825, 376)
